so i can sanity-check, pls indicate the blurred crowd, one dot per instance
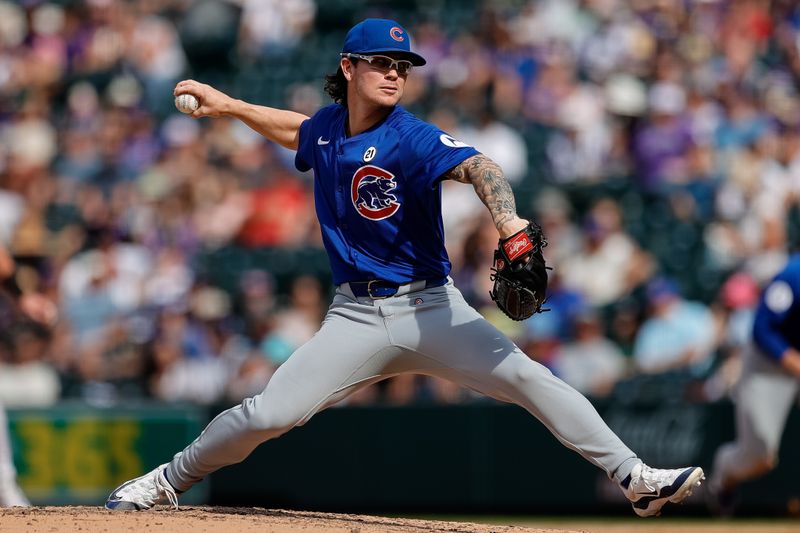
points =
(656, 141)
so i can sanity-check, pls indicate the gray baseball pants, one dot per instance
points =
(362, 341)
(764, 398)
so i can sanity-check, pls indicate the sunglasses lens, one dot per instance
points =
(381, 62)
(387, 63)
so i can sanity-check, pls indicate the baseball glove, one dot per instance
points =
(520, 274)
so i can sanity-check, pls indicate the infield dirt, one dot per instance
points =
(252, 520)
(225, 520)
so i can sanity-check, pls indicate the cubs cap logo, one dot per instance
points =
(380, 36)
(397, 34)
(371, 193)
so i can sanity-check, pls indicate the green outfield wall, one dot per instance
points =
(75, 454)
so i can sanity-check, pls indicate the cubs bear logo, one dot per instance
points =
(371, 193)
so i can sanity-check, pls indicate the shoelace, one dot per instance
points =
(143, 491)
(168, 490)
(652, 478)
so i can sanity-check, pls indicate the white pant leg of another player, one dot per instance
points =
(10, 493)
(461, 346)
(764, 397)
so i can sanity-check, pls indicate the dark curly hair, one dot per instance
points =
(336, 86)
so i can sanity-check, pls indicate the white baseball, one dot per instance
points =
(186, 103)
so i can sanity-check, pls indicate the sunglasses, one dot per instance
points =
(384, 63)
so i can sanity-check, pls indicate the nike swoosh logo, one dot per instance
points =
(322, 141)
(115, 502)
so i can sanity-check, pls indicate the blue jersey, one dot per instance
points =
(378, 194)
(777, 322)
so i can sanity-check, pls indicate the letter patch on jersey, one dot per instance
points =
(451, 142)
(779, 297)
(371, 192)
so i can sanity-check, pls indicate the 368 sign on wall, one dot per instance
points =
(77, 454)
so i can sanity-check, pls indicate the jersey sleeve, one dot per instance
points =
(777, 302)
(431, 152)
(304, 159)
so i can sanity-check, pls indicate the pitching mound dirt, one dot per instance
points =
(224, 520)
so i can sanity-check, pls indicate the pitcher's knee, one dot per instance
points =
(269, 414)
(519, 383)
(271, 422)
(529, 373)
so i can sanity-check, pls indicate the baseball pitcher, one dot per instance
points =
(377, 186)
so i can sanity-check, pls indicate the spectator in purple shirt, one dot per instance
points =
(661, 144)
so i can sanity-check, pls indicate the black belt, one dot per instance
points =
(378, 288)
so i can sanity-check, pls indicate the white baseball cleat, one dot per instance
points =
(649, 489)
(143, 492)
(12, 496)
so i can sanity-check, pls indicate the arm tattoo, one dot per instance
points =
(490, 184)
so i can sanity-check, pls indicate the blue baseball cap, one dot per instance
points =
(380, 36)
(662, 288)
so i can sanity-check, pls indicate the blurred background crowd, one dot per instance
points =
(144, 254)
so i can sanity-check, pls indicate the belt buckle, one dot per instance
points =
(369, 290)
